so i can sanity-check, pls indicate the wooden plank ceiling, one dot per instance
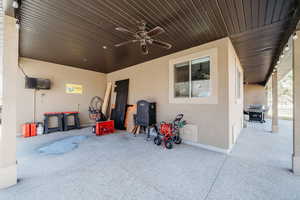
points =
(73, 32)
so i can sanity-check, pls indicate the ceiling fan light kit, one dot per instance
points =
(144, 37)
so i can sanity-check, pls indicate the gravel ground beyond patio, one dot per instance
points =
(121, 166)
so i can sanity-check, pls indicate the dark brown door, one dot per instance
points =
(119, 112)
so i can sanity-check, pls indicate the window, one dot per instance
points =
(192, 78)
(238, 80)
(238, 83)
(200, 77)
(181, 80)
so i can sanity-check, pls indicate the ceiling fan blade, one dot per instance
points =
(144, 49)
(156, 31)
(162, 44)
(126, 42)
(124, 30)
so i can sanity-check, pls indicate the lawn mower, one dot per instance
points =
(169, 132)
(95, 113)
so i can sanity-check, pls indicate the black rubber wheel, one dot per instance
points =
(169, 144)
(157, 140)
(177, 140)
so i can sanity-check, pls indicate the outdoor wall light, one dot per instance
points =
(287, 48)
(295, 36)
(282, 55)
(15, 4)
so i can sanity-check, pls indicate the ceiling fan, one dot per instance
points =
(144, 37)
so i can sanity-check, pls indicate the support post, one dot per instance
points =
(274, 103)
(296, 107)
(8, 165)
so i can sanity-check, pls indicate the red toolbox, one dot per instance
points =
(104, 128)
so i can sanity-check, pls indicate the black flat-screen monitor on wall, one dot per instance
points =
(37, 83)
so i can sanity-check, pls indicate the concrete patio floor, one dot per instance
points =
(121, 166)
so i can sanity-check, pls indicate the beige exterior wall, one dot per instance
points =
(296, 115)
(236, 95)
(8, 166)
(56, 99)
(254, 94)
(150, 81)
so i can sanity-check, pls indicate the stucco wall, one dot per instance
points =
(216, 123)
(254, 94)
(235, 113)
(56, 99)
(296, 119)
(8, 166)
(150, 81)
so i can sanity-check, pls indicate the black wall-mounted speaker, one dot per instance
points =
(37, 83)
(30, 83)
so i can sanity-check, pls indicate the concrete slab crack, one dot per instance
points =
(217, 176)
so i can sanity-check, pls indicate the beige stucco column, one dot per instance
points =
(274, 103)
(296, 123)
(8, 166)
(266, 95)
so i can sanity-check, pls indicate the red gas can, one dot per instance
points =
(33, 129)
(29, 130)
(26, 130)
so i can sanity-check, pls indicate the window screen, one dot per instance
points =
(181, 80)
(200, 77)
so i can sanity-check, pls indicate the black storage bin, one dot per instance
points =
(146, 113)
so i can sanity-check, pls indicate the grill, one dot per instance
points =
(256, 112)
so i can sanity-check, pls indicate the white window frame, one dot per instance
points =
(238, 72)
(213, 97)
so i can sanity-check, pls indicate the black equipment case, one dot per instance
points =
(146, 113)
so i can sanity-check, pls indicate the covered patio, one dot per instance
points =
(121, 166)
